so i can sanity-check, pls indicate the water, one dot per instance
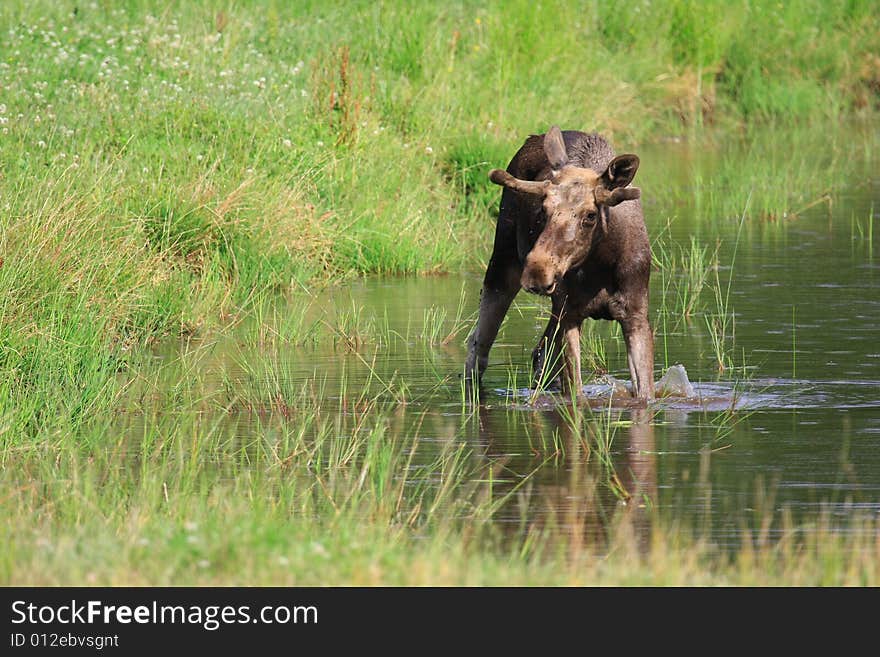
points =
(791, 426)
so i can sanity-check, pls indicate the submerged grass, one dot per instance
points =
(316, 496)
(246, 470)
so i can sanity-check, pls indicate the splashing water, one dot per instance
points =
(675, 383)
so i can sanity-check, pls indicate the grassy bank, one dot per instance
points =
(176, 168)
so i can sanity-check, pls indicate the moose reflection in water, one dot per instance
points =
(587, 472)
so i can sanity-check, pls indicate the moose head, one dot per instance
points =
(575, 204)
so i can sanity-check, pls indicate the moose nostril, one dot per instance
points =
(537, 283)
(538, 288)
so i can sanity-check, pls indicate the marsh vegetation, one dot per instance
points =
(240, 249)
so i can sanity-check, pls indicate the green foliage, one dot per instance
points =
(163, 166)
(172, 167)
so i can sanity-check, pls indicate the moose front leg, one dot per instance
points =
(572, 385)
(640, 355)
(494, 303)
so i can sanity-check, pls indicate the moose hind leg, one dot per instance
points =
(547, 366)
(547, 360)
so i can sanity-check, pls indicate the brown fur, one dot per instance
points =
(579, 238)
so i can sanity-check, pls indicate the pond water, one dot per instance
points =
(790, 427)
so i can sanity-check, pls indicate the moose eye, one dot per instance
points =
(591, 217)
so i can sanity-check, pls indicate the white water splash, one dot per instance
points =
(675, 383)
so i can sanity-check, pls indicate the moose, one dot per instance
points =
(569, 227)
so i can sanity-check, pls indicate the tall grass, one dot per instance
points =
(172, 496)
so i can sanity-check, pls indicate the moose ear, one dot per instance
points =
(616, 197)
(620, 171)
(554, 148)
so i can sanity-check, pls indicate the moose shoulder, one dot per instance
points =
(571, 228)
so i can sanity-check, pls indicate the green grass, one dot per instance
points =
(206, 491)
(175, 169)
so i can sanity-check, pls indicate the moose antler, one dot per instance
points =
(504, 179)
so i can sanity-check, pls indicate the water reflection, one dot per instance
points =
(582, 473)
